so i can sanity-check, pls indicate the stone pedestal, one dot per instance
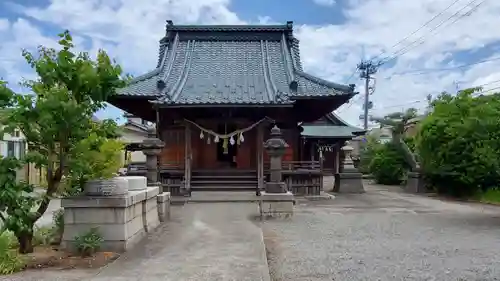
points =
(276, 205)
(276, 201)
(151, 147)
(122, 221)
(163, 206)
(415, 183)
(350, 182)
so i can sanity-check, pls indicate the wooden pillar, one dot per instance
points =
(337, 158)
(260, 157)
(187, 157)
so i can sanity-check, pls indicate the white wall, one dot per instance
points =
(17, 149)
(130, 136)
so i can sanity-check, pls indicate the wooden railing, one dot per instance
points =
(172, 166)
(297, 165)
(301, 177)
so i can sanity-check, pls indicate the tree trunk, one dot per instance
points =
(25, 243)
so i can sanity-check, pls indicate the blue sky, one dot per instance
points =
(334, 36)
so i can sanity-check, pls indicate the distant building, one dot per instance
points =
(134, 131)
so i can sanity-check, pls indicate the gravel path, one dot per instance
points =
(385, 235)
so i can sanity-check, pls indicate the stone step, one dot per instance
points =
(223, 187)
(223, 177)
(219, 197)
(224, 183)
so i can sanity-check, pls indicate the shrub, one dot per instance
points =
(58, 229)
(367, 153)
(10, 260)
(388, 164)
(458, 143)
(89, 243)
(42, 236)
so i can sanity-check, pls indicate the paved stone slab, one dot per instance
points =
(216, 241)
(372, 237)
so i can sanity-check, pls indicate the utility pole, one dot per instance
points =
(367, 69)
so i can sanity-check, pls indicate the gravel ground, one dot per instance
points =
(385, 235)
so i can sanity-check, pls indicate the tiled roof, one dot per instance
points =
(230, 64)
(336, 127)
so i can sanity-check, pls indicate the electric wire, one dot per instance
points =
(433, 31)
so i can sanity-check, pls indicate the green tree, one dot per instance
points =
(459, 143)
(397, 121)
(55, 118)
(388, 165)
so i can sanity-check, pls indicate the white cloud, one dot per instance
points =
(130, 30)
(327, 3)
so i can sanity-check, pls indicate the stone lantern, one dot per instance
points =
(151, 147)
(275, 147)
(348, 163)
(350, 180)
(276, 201)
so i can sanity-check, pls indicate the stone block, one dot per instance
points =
(415, 183)
(121, 220)
(136, 182)
(276, 205)
(163, 200)
(350, 183)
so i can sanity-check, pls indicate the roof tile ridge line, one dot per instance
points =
(271, 80)
(323, 82)
(145, 76)
(165, 51)
(167, 95)
(187, 65)
(171, 59)
(292, 52)
(335, 115)
(284, 53)
(264, 69)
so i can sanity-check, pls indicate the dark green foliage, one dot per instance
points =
(10, 260)
(88, 243)
(56, 120)
(388, 164)
(368, 150)
(459, 143)
(411, 143)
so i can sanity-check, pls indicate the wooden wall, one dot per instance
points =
(172, 154)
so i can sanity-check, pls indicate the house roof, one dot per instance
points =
(230, 64)
(332, 126)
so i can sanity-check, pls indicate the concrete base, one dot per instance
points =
(415, 183)
(163, 206)
(350, 183)
(122, 221)
(276, 205)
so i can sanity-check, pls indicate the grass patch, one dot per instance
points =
(491, 196)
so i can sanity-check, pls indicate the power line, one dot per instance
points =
(420, 28)
(478, 93)
(429, 70)
(410, 47)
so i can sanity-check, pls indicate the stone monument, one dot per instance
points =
(350, 180)
(276, 201)
(151, 147)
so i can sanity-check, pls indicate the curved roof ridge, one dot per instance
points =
(333, 115)
(186, 67)
(265, 70)
(285, 54)
(269, 71)
(171, 59)
(336, 86)
(275, 27)
(145, 76)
